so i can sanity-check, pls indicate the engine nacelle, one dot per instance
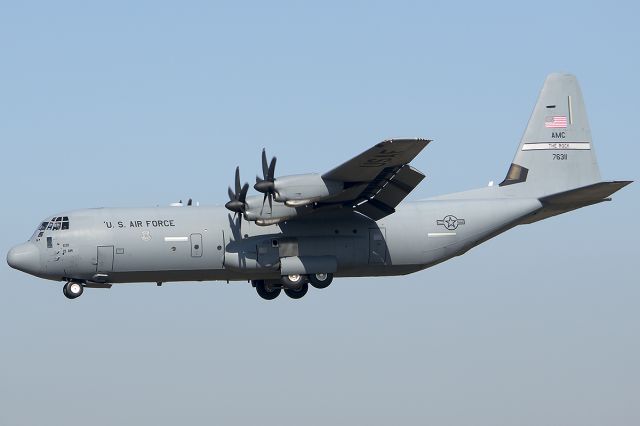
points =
(264, 215)
(300, 190)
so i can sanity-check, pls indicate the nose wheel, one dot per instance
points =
(72, 289)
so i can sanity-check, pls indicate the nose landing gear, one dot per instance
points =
(72, 289)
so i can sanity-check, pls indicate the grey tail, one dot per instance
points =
(555, 161)
(556, 151)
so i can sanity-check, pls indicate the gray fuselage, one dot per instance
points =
(204, 243)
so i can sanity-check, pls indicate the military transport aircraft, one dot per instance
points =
(348, 222)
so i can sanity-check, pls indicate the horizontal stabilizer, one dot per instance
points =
(567, 201)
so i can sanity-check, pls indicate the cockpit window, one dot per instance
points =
(56, 224)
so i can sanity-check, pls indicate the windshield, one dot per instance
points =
(58, 223)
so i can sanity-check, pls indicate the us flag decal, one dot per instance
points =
(555, 122)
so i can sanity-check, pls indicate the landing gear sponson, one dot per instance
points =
(295, 286)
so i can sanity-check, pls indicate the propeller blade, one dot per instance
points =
(265, 167)
(237, 180)
(272, 169)
(232, 196)
(264, 199)
(270, 203)
(243, 193)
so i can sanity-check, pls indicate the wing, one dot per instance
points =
(377, 180)
(368, 165)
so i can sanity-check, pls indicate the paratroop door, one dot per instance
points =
(377, 246)
(105, 259)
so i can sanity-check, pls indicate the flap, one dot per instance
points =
(385, 193)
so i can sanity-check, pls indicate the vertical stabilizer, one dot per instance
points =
(556, 152)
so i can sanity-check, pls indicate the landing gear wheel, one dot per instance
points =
(321, 280)
(297, 294)
(72, 289)
(293, 282)
(265, 290)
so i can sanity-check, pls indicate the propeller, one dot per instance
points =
(237, 199)
(266, 184)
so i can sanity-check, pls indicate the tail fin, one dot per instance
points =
(556, 152)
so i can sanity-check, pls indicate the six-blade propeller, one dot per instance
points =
(237, 198)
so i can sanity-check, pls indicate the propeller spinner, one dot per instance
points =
(266, 184)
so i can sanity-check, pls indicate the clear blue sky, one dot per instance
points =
(144, 103)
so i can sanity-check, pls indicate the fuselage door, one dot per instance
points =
(196, 245)
(377, 246)
(105, 259)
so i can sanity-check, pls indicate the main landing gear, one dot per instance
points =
(72, 289)
(266, 289)
(295, 286)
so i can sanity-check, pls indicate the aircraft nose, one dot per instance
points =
(24, 257)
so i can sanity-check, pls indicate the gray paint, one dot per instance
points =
(333, 235)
